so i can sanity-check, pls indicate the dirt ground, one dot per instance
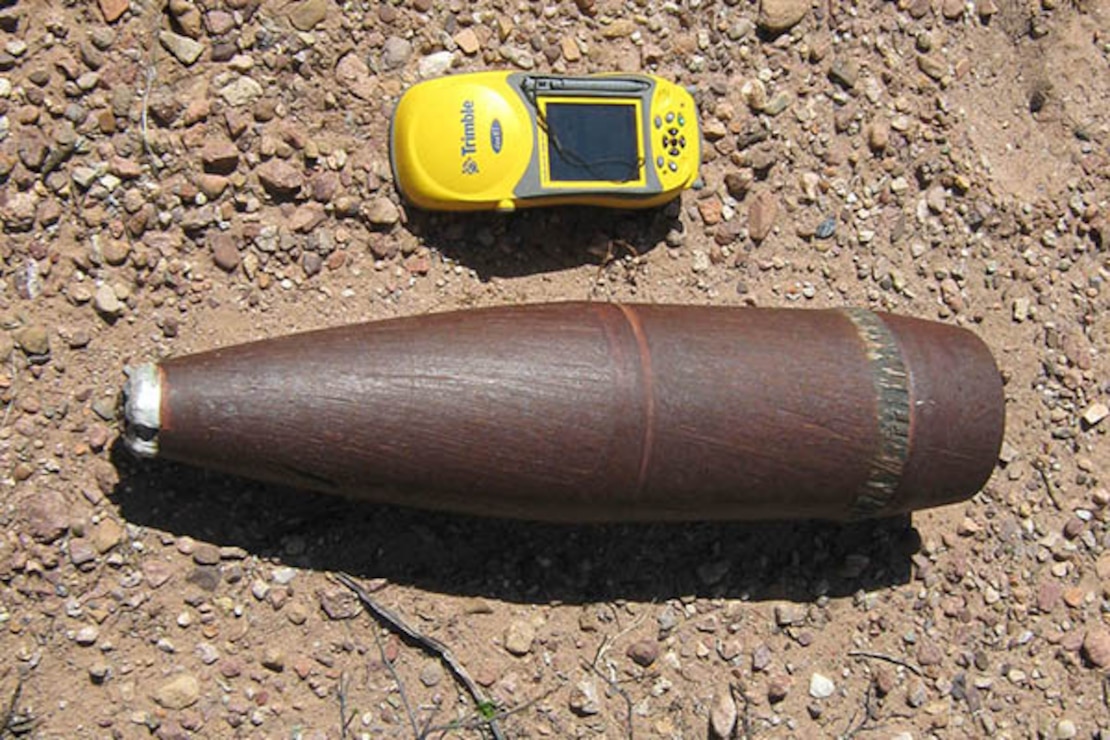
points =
(182, 175)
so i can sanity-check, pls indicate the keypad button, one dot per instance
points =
(670, 117)
(674, 152)
(659, 162)
(681, 120)
(672, 131)
(658, 122)
(682, 141)
(672, 166)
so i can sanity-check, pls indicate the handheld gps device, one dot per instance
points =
(507, 140)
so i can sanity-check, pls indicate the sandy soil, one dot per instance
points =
(182, 175)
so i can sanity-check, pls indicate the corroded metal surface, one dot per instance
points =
(893, 392)
(596, 411)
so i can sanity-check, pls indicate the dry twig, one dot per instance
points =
(475, 723)
(868, 715)
(10, 720)
(400, 684)
(888, 658)
(432, 647)
(737, 690)
(609, 680)
(610, 640)
(609, 258)
(344, 718)
(616, 687)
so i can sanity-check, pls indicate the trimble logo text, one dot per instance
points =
(469, 138)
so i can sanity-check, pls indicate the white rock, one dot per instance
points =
(283, 575)
(584, 699)
(519, 637)
(106, 302)
(241, 63)
(722, 715)
(754, 94)
(242, 91)
(700, 261)
(260, 589)
(178, 693)
(1095, 413)
(517, 56)
(820, 686)
(184, 49)
(435, 65)
(207, 653)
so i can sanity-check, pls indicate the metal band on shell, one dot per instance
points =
(893, 394)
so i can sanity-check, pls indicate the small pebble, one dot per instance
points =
(1095, 413)
(284, 575)
(98, 672)
(761, 658)
(722, 715)
(788, 614)
(382, 212)
(273, 659)
(643, 652)
(584, 700)
(778, 687)
(184, 49)
(519, 637)
(179, 692)
(762, 214)
(396, 52)
(1096, 647)
(431, 674)
(821, 686)
(778, 16)
(915, 693)
(106, 303)
(34, 340)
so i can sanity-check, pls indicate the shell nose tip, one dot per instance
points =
(141, 399)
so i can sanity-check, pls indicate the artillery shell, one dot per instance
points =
(595, 412)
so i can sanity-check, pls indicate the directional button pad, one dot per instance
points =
(673, 139)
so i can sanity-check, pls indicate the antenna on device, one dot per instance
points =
(579, 85)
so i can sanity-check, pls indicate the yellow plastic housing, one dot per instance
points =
(477, 142)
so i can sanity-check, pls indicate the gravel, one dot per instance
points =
(189, 176)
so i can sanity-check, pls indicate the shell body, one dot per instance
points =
(597, 412)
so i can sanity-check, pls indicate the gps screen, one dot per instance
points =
(592, 142)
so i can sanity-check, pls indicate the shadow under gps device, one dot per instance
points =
(507, 140)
